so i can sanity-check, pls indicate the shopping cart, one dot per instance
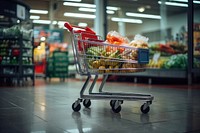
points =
(94, 57)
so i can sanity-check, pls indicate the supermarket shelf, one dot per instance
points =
(9, 65)
(9, 75)
(15, 38)
(28, 75)
(163, 73)
(196, 70)
(28, 65)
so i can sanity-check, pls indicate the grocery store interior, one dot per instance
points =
(99, 66)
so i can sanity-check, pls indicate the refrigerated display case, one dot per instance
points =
(16, 44)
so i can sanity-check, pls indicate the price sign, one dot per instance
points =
(156, 57)
(21, 12)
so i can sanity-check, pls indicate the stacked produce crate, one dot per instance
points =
(57, 65)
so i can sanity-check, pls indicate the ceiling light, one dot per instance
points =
(140, 15)
(39, 11)
(87, 9)
(112, 8)
(88, 5)
(82, 24)
(94, 10)
(79, 4)
(79, 15)
(74, 0)
(42, 21)
(34, 17)
(110, 12)
(196, 2)
(141, 9)
(127, 20)
(174, 4)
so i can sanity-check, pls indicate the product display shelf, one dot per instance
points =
(57, 65)
(16, 62)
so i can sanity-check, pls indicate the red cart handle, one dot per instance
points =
(70, 28)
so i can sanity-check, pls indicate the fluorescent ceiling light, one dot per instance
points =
(74, 0)
(87, 9)
(94, 10)
(174, 4)
(196, 2)
(44, 22)
(112, 8)
(88, 5)
(79, 15)
(34, 17)
(39, 11)
(82, 24)
(140, 15)
(127, 20)
(110, 12)
(79, 4)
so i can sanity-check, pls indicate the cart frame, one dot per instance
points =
(82, 68)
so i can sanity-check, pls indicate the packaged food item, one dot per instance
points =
(114, 37)
(139, 41)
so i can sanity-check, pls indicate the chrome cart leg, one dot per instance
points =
(93, 83)
(103, 82)
(85, 86)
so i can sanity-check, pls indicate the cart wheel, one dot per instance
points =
(77, 107)
(144, 111)
(87, 103)
(112, 102)
(116, 110)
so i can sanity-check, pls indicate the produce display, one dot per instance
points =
(157, 63)
(176, 61)
(118, 55)
(168, 49)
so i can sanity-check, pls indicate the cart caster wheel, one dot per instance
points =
(116, 110)
(75, 107)
(144, 111)
(87, 103)
(112, 102)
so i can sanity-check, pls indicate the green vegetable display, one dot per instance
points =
(176, 61)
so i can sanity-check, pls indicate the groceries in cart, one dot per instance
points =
(115, 55)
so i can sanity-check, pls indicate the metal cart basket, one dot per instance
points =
(94, 57)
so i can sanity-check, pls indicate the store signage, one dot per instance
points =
(14, 10)
(21, 12)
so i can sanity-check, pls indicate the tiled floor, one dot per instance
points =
(46, 108)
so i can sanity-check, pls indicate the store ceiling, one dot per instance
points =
(151, 7)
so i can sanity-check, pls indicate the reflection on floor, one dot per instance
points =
(46, 108)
